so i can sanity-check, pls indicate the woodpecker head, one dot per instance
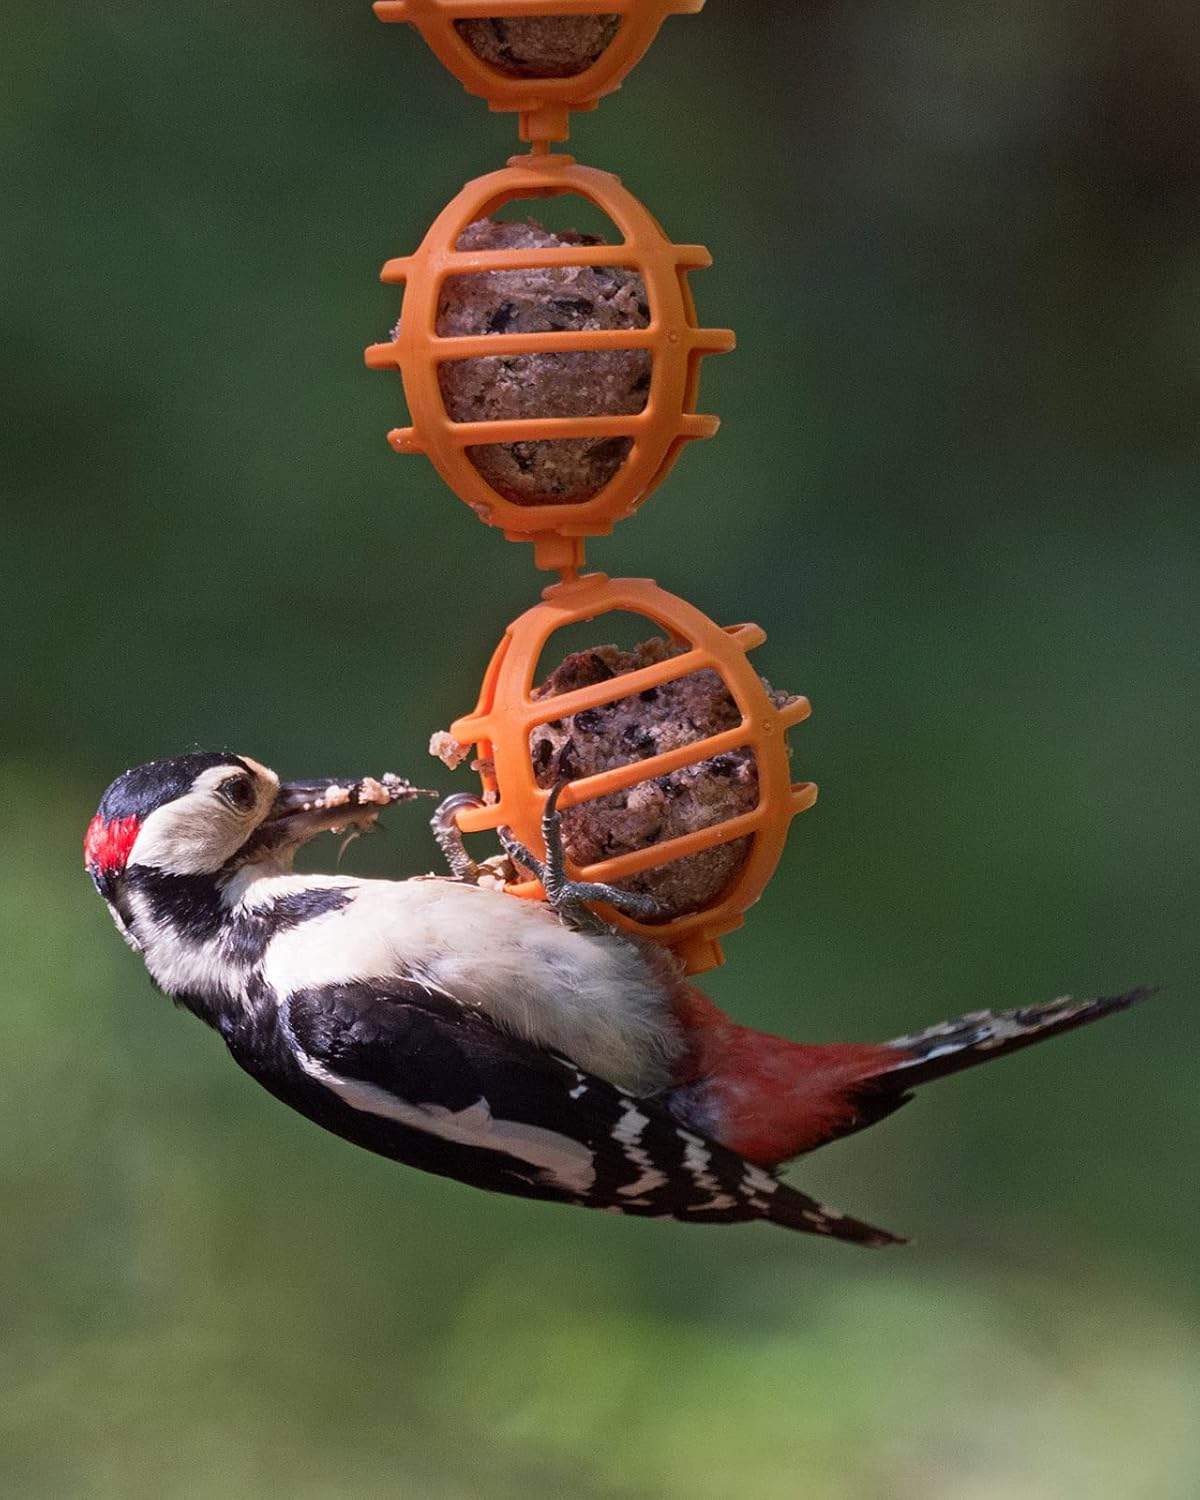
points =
(196, 820)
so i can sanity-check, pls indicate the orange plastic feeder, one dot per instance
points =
(676, 344)
(544, 104)
(507, 712)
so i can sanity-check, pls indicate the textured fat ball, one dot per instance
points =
(584, 383)
(677, 713)
(539, 46)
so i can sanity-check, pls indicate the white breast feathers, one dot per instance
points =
(597, 999)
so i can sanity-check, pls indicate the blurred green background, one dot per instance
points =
(957, 482)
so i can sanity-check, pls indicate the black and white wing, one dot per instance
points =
(410, 1073)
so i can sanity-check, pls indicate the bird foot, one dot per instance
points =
(568, 897)
(450, 840)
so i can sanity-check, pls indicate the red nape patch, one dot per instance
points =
(106, 846)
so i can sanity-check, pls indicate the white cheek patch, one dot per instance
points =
(196, 833)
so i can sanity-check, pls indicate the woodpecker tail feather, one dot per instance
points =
(771, 1099)
(941, 1050)
(793, 1210)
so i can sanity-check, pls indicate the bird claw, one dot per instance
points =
(449, 836)
(568, 897)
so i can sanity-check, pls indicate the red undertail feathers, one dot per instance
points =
(770, 1099)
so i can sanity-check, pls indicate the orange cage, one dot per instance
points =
(544, 104)
(676, 345)
(507, 711)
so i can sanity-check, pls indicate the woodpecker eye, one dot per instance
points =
(238, 791)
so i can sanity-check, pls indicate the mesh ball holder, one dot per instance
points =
(675, 343)
(544, 104)
(507, 712)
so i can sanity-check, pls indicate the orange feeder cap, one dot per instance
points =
(544, 104)
(675, 343)
(507, 712)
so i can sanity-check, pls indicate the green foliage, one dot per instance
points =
(957, 483)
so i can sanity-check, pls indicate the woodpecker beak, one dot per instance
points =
(303, 809)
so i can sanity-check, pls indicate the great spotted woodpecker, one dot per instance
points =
(479, 1036)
